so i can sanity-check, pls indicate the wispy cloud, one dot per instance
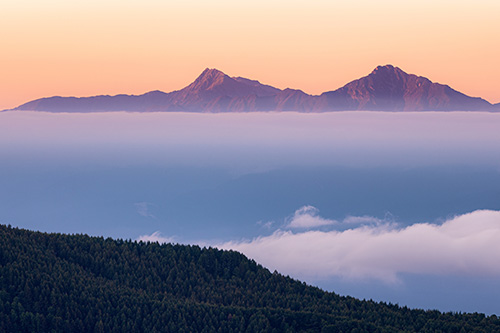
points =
(143, 209)
(466, 245)
(363, 220)
(307, 217)
(155, 237)
(266, 225)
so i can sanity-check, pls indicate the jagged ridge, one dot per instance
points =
(386, 88)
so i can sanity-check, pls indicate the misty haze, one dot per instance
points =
(275, 181)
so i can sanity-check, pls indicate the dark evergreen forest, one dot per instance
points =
(77, 283)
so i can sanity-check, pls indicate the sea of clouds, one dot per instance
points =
(101, 173)
(376, 249)
(253, 140)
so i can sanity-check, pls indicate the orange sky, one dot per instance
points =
(81, 48)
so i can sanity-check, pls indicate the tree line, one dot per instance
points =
(75, 283)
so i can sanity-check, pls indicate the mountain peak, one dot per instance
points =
(212, 85)
(388, 88)
(211, 72)
(208, 79)
(387, 70)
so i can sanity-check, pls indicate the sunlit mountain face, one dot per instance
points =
(400, 207)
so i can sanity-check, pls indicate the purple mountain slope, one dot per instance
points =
(146, 102)
(214, 91)
(387, 88)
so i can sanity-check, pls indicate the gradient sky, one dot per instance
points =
(82, 48)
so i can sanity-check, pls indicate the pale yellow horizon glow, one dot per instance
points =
(83, 48)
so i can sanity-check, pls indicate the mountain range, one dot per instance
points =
(386, 88)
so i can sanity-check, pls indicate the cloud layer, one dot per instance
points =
(340, 138)
(466, 245)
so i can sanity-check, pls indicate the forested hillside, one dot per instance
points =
(77, 283)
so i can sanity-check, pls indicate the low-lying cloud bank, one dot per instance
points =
(374, 249)
(356, 138)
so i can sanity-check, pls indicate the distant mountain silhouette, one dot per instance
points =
(386, 88)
